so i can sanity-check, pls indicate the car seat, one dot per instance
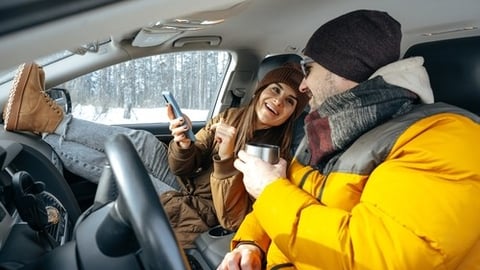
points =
(454, 69)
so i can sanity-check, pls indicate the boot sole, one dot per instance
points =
(16, 96)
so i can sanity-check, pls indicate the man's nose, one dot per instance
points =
(303, 86)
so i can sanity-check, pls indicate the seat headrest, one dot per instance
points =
(274, 61)
(454, 69)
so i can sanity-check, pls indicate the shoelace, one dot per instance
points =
(51, 103)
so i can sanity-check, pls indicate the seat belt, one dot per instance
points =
(237, 95)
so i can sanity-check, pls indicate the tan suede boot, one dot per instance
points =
(29, 108)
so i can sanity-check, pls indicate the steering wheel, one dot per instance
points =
(142, 207)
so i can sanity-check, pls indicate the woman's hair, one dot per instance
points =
(279, 135)
(291, 75)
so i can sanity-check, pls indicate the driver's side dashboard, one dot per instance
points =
(32, 219)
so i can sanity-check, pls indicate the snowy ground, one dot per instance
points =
(138, 115)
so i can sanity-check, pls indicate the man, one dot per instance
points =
(384, 179)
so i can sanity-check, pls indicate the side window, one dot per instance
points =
(130, 92)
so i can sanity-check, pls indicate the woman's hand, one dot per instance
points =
(225, 137)
(243, 257)
(178, 127)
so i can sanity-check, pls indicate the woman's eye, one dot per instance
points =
(276, 89)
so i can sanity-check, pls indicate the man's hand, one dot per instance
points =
(243, 257)
(257, 174)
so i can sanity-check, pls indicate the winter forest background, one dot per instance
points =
(124, 92)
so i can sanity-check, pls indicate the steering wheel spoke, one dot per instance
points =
(141, 207)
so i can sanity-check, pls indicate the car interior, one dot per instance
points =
(119, 223)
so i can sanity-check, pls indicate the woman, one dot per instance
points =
(206, 168)
(188, 199)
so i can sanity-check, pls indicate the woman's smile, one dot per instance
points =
(272, 108)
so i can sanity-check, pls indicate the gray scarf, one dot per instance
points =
(342, 118)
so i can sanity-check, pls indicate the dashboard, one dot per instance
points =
(36, 215)
(42, 226)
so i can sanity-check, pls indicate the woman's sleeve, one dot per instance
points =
(231, 200)
(185, 162)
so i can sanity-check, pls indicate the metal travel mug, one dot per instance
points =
(269, 153)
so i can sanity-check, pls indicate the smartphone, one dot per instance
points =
(177, 112)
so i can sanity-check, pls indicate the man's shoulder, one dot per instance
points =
(370, 149)
(422, 111)
(426, 110)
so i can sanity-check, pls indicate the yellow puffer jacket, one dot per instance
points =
(412, 201)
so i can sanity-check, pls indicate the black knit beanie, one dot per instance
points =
(356, 44)
(291, 75)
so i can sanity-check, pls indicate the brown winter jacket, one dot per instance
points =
(191, 210)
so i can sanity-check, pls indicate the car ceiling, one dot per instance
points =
(287, 24)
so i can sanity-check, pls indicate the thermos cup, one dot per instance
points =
(269, 153)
